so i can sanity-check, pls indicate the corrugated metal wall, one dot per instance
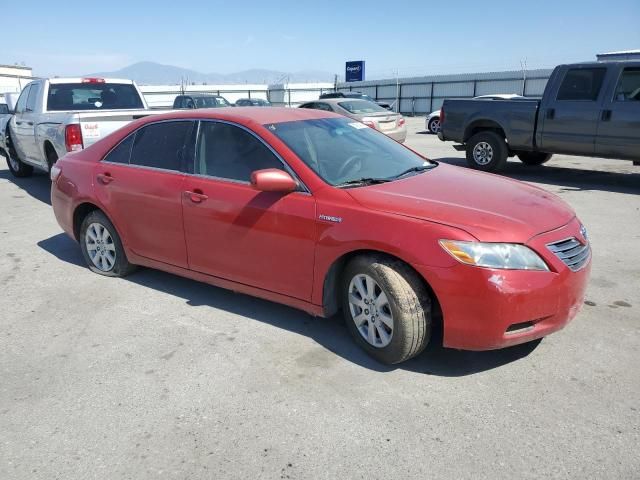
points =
(421, 95)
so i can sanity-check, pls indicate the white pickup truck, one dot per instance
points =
(59, 115)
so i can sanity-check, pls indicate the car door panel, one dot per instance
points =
(570, 121)
(262, 239)
(619, 128)
(19, 126)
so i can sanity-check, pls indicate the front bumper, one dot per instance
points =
(441, 136)
(485, 309)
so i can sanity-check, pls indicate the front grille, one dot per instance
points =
(572, 252)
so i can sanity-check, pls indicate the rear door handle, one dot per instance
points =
(551, 113)
(30, 124)
(196, 196)
(606, 115)
(104, 178)
(18, 123)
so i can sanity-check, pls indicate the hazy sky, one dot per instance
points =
(414, 37)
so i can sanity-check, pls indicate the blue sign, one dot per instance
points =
(354, 71)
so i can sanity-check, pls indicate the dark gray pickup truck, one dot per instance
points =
(590, 109)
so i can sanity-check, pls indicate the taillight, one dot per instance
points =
(73, 137)
(401, 121)
(93, 80)
(55, 172)
(441, 116)
(369, 123)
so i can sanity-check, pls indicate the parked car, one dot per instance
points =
(588, 109)
(200, 100)
(369, 113)
(432, 122)
(252, 102)
(317, 211)
(59, 115)
(357, 95)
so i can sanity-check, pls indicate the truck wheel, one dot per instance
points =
(101, 246)
(487, 151)
(434, 125)
(534, 158)
(387, 308)
(16, 166)
(52, 157)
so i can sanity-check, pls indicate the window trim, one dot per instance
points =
(617, 83)
(287, 168)
(600, 92)
(134, 134)
(303, 187)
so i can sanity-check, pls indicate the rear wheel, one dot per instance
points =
(487, 151)
(434, 125)
(52, 156)
(534, 158)
(101, 246)
(387, 308)
(16, 166)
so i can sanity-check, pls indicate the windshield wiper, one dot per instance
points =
(362, 181)
(419, 168)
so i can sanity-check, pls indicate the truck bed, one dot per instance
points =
(517, 118)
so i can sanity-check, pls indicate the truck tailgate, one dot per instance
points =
(96, 125)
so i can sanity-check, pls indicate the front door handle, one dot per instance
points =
(606, 115)
(196, 196)
(18, 123)
(551, 113)
(30, 124)
(104, 178)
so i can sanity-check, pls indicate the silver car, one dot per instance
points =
(369, 113)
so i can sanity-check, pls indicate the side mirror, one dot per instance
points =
(273, 180)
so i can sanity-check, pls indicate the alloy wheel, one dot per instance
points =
(100, 247)
(483, 153)
(370, 310)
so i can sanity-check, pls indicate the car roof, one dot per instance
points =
(197, 94)
(245, 115)
(338, 100)
(82, 80)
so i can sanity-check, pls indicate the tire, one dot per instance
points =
(434, 125)
(407, 308)
(487, 151)
(52, 157)
(113, 261)
(16, 166)
(534, 158)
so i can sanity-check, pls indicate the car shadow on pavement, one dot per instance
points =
(38, 185)
(330, 333)
(565, 177)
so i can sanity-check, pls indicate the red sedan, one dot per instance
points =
(322, 213)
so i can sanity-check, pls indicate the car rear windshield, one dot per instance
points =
(92, 96)
(360, 107)
(342, 150)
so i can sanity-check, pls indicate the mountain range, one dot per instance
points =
(151, 73)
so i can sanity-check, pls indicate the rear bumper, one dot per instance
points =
(485, 309)
(399, 134)
(62, 204)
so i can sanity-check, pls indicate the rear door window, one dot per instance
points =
(628, 89)
(164, 145)
(31, 99)
(122, 152)
(582, 84)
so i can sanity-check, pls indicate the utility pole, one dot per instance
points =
(523, 67)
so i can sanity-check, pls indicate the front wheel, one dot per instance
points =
(101, 246)
(534, 158)
(387, 308)
(487, 151)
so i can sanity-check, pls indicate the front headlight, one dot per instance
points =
(511, 256)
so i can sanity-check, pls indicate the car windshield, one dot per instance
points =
(92, 96)
(341, 150)
(360, 107)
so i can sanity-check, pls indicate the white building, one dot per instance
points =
(13, 78)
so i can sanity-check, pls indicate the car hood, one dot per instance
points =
(489, 207)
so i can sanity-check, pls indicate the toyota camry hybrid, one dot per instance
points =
(322, 213)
